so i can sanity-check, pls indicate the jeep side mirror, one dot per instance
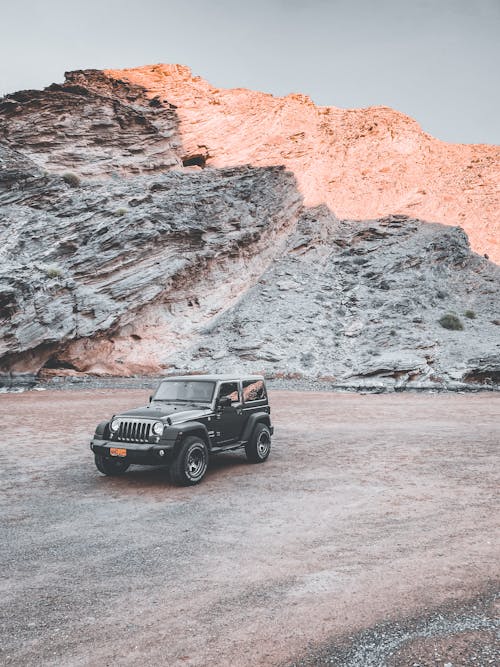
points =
(150, 398)
(224, 402)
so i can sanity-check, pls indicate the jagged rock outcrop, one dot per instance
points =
(111, 277)
(359, 304)
(136, 239)
(362, 163)
(92, 125)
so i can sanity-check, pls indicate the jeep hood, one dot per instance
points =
(176, 413)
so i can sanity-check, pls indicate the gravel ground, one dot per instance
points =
(370, 537)
(457, 635)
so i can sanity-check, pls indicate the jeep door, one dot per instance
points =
(229, 424)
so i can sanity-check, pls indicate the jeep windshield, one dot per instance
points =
(185, 391)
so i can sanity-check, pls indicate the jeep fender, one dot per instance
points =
(253, 420)
(178, 432)
(102, 431)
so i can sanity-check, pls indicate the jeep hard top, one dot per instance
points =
(187, 419)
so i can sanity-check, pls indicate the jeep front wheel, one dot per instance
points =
(258, 447)
(110, 467)
(191, 463)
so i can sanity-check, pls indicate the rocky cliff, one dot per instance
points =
(362, 305)
(361, 163)
(148, 226)
(92, 126)
(111, 277)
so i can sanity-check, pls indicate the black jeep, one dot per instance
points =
(187, 419)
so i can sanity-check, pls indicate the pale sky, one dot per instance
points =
(436, 60)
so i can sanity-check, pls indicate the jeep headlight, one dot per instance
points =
(115, 424)
(158, 428)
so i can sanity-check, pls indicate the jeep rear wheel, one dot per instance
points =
(191, 463)
(258, 447)
(110, 467)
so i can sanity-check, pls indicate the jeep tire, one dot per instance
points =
(110, 467)
(191, 462)
(258, 447)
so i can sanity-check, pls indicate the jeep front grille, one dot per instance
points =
(134, 431)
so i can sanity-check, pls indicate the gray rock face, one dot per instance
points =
(133, 264)
(91, 126)
(128, 266)
(362, 306)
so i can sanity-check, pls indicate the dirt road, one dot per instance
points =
(370, 509)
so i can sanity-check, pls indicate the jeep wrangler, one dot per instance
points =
(187, 419)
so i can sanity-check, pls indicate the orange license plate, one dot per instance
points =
(117, 451)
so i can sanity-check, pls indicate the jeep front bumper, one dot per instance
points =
(139, 453)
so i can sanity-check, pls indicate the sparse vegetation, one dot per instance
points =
(53, 272)
(470, 314)
(120, 212)
(71, 179)
(451, 322)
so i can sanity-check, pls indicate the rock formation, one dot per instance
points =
(151, 223)
(92, 126)
(360, 304)
(108, 277)
(361, 163)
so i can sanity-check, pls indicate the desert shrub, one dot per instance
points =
(71, 180)
(470, 314)
(451, 322)
(120, 211)
(53, 272)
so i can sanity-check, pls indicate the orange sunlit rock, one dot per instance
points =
(363, 163)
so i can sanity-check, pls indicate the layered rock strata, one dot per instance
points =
(92, 126)
(361, 163)
(361, 304)
(151, 223)
(111, 277)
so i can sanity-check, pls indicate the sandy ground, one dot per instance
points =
(375, 515)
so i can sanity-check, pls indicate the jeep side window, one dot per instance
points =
(253, 390)
(230, 389)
